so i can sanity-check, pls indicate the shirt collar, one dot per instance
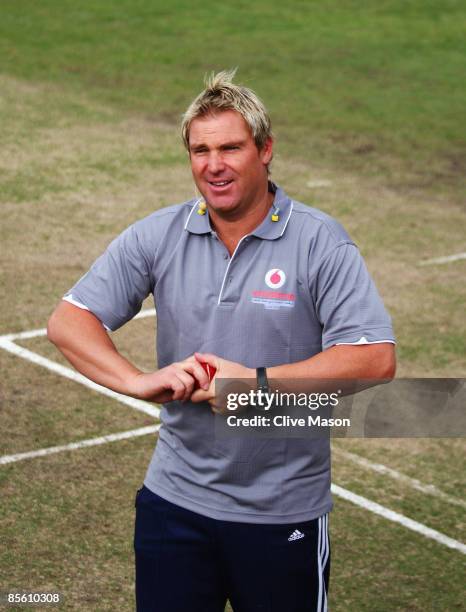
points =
(196, 223)
(268, 229)
(281, 207)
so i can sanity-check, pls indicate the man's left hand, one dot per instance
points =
(224, 370)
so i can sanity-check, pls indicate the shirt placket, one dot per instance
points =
(228, 277)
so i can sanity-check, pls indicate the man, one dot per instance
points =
(243, 278)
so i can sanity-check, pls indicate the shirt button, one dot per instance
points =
(225, 256)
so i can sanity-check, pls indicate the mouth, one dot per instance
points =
(219, 185)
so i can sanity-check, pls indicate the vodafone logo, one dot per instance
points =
(275, 278)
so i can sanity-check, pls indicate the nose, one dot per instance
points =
(215, 163)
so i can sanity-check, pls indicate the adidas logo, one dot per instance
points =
(296, 535)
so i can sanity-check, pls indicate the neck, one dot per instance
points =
(230, 229)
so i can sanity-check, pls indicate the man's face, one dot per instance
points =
(228, 169)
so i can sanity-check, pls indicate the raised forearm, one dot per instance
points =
(362, 366)
(83, 340)
(376, 361)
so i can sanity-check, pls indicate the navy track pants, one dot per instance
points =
(186, 562)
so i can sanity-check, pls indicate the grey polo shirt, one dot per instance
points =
(291, 289)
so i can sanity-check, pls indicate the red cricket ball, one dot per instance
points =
(210, 371)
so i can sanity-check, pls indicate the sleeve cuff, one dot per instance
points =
(363, 340)
(69, 298)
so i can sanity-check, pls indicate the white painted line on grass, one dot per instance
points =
(124, 435)
(429, 489)
(395, 517)
(11, 347)
(35, 333)
(443, 260)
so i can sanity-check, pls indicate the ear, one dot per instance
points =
(266, 152)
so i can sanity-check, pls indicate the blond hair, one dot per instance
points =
(221, 94)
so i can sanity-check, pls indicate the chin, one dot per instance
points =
(222, 203)
(223, 208)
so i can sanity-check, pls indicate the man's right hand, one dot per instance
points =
(174, 382)
(82, 339)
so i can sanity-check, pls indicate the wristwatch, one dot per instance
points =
(262, 381)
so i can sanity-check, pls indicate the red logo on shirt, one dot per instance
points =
(275, 278)
(274, 295)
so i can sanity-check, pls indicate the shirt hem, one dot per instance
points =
(237, 517)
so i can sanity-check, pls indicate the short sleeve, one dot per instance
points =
(117, 283)
(348, 304)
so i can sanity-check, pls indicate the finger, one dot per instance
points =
(194, 367)
(199, 373)
(188, 383)
(199, 395)
(178, 388)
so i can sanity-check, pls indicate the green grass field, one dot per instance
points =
(369, 98)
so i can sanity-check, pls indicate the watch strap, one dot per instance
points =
(262, 380)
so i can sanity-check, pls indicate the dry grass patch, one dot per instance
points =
(399, 496)
(437, 461)
(40, 409)
(371, 555)
(67, 523)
